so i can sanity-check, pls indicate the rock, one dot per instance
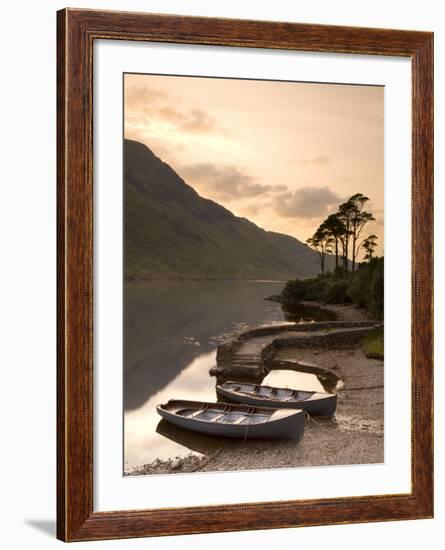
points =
(176, 464)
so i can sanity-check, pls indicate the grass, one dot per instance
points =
(373, 344)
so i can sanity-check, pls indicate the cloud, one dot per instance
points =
(194, 121)
(307, 202)
(226, 182)
(145, 104)
(141, 96)
(320, 160)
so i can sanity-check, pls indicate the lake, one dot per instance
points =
(172, 330)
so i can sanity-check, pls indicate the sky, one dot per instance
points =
(282, 154)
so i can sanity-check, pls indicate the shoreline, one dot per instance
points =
(353, 436)
(343, 312)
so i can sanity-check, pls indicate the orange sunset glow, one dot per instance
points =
(282, 154)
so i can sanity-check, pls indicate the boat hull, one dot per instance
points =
(319, 404)
(290, 426)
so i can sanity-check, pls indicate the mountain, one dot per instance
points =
(172, 232)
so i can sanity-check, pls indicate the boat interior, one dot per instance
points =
(224, 416)
(281, 394)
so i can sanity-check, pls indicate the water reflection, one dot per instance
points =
(142, 443)
(169, 324)
(297, 312)
(172, 330)
(199, 443)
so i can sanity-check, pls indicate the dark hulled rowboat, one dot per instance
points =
(268, 396)
(229, 420)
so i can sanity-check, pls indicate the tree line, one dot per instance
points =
(341, 234)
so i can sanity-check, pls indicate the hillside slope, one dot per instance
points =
(172, 232)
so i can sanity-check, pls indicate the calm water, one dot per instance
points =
(172, 330)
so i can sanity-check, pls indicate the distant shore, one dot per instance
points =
(353, 436)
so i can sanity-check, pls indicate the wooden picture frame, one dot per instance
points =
(77, 31)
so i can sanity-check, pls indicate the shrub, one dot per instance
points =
(359, 288)
(307, 289)
(294, 290)
(336, 292)
(376, 301)
(364, 288)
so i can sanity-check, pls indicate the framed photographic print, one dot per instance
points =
(244, 275)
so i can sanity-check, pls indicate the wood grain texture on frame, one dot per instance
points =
(76, 31)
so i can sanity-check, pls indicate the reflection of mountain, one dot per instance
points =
(172, 232)
(168, 324)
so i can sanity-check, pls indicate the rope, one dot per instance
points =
(250, 411)
(310, 418)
